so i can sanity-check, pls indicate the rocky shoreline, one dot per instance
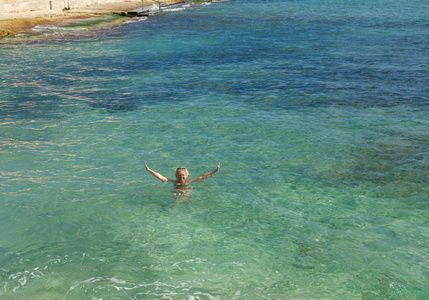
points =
(12, 24)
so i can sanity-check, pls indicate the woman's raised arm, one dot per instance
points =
(204, 176)
(157, 175)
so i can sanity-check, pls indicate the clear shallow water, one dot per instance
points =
(316, 111)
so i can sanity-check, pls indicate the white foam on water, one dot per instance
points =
(136, 20)
(174, 9)
(56, 29)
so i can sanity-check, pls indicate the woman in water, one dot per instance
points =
(181, 175)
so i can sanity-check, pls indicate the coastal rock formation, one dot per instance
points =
(19, 16)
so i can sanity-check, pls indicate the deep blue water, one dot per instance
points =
(316, 110)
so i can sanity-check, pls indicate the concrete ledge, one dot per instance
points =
(16, 6)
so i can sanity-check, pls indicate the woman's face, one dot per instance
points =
(181, 175)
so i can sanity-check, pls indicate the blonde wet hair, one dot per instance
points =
(180, 169)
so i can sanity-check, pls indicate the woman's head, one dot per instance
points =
(181, 174)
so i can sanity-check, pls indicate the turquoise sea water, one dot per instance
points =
(316, 110)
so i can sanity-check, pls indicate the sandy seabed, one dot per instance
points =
(15, 23)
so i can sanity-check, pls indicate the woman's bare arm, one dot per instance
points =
(204, 176)
(157, 175)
